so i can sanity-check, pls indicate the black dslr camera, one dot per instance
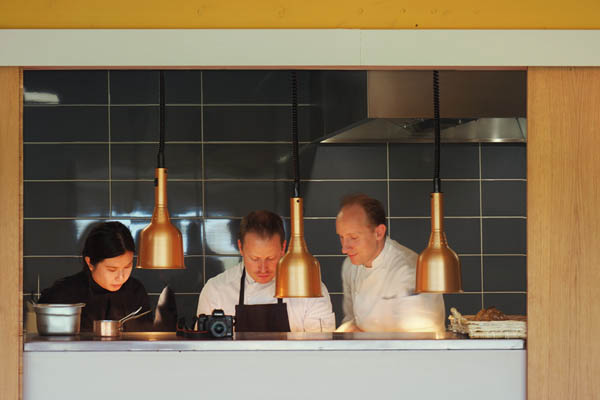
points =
(217, 325)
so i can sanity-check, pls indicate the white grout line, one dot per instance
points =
(172, 105)
(387, 176)
(109, 153)
(481, 224)
(202, 154)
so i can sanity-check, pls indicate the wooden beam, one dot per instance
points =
(563, 233)
(11, 232)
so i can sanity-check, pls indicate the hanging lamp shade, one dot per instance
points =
(438, 266)
(298, 273)
(161, 244)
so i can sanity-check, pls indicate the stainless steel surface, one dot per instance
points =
(113, 328)
(58, 319)
(479, 106)
(360, 341)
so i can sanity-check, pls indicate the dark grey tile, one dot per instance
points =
(462, 234)
(188, 280)
(47, 270)
(412, 199)
(183, 123)
(507, 160)
(65, 124)
(331, 273)
(65, 161)
(221, 236)
(337, 301)
(505, 273)
(471, 273)
(183, 161)
(54, 237)
(218, 264)
(322, 199)
(136, 199)
(320, 237)
(65, 199)
(247, 161)
(508, 303)
(343, 161)
(416, 161)
(134, 87)
(504, 198)
(183, 87)
(260, 87)
(236, 199)
(504, 236)
(65, 87)
(134, 123)
(259, 123)
(465, 303)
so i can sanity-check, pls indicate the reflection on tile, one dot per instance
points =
(343, 161)
(237, 199)
(65, 124)
(504, 198)
(415, 161)
(259, 123)
(65, 87)
(188, 280)
(412, 199)
(261, 87)
(331, 273)
(221, 236)
(462, 234)
(504, 236)
(48, 270)
(322, 199)
(136, 199)
(506, 160)
(251, 161)
(65, 161)
(134, 87)
(465, 303)
(320, 237)
(218, 264)
(471, 273)
(505, 273)
(184, 161)
(183, 87)
(54, 237)
(65, 199)
(134, 123)
(337, 301)
(508, 303)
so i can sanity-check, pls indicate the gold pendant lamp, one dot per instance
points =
(161, 243)
(438, 266)
(298, 272)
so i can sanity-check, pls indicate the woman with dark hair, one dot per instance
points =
(104, 284)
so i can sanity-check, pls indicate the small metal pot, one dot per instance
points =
(113, 328)
(58, 319)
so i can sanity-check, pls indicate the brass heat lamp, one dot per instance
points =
(161, 243)
(298, 273)
(438, 266)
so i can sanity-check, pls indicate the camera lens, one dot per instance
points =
(218, 329)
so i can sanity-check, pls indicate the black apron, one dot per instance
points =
(260, 317)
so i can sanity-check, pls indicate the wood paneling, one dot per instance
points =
(11, 223)
(563, 236)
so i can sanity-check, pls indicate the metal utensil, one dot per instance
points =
(113, 328)
(58, 319)
(125, 318)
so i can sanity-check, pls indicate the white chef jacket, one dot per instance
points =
(382, 299)
(311, 314)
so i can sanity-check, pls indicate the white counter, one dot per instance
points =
(283, 366)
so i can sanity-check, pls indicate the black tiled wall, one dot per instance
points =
(90, 142)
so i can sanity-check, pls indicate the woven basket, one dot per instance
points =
(515, 327)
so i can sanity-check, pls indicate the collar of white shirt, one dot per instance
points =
(379, 261)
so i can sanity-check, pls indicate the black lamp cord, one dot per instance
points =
(295, 158)
(437, 185)
(161, 146)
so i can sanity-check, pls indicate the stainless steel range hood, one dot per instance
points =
(476, 106)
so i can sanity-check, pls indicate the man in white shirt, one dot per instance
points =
(379, 275)
(248, 289)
